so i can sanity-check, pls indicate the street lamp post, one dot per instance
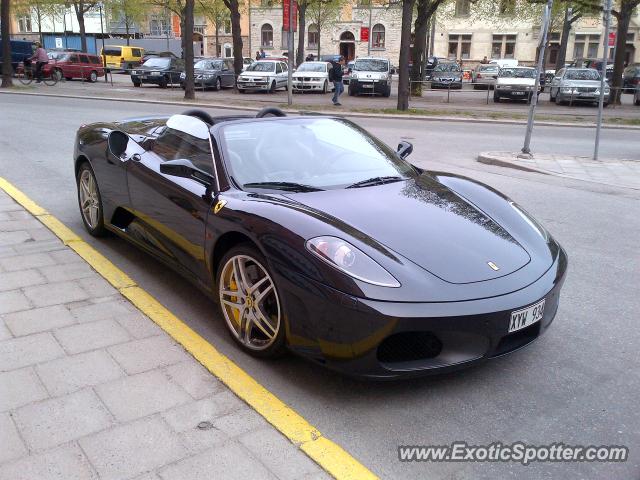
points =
(369, 37)
(544, 30)
(290, 56)
(603, 75)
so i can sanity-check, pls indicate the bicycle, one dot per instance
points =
(27, 75)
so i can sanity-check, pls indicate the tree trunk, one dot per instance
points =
(39, 15)
(318, 25)
(126, 26)
(234, 9)
(5, 20)
(187, 35)
(405, 45)
(626, 10)
(302, 12)
(218, 40)
(79, 8)
(564, 40)
(419, 46)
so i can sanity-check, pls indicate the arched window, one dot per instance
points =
(347, 37)
(266, 35)
(313, 36)
(377, 36)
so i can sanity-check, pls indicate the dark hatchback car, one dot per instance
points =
(631, 78)
(160, 71)
(304, 230)
(446, 75)
(213, 73)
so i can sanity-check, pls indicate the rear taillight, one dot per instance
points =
(479, 75)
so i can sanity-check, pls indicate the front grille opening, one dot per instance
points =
(517, 339)
(409, 346)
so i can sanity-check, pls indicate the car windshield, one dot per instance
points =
(447, 67)
(370, 65)
(517, 73)
(585, 74)
(312, 67)
(488, 68)
(262, 67)
(207, 65)
(57, 56)
(158, 62)
(318, 152)
(112, 51)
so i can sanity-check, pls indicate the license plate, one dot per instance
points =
(367, 85)
(526, 316)
(518, 93)
(249, 84)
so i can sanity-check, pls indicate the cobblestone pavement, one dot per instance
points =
(619, 173)
(90, 388)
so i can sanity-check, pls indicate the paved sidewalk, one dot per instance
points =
(90, 388)
(618, 173)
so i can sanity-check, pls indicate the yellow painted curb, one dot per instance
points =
(327, 454)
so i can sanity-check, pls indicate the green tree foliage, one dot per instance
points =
(130, 12)
(324, 13)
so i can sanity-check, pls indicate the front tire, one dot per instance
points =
(218, 85)
(325, 87)
(90, 201)
(496, 97)
(272, 89)
(93, 76)
(250, 302)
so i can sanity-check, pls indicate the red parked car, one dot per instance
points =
(75, 65)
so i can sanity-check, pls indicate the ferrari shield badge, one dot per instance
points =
(218, 206)
(491, 264)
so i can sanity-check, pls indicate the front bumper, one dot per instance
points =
(436, 83)
(386, 340)
(513, 93)
(371, 86)
(301, 85)
(152, 79)
(253, 86)
(582, 97)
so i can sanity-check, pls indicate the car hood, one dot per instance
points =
(583, 83)
(516, 81)
(427, 223)
(371, 75)
(257, 74)
(446, 74)
(316, 75)
(152, 69)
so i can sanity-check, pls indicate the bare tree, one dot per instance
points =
(424, 13)
(81, 7)
(405, 47)
(236, 32)
(130, 12)
(218, 14)
(302, 24)
(324, 13)
(5, 19)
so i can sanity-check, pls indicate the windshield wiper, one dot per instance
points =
(289, 186)
(375, 181)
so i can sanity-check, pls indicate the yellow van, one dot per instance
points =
(123, 57)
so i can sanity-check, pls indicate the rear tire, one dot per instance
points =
(164, 83)
(272, 89)
(325, 87)
(137, 84)
(90, 201)
(496, 97)
(387, 92)
(93, 76)
(218, 85)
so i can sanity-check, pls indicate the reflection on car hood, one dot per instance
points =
(582, 83)
(515, 81)
(317, 75)
(436, 74)
(256, 74)
(152, 69)
(427, 223)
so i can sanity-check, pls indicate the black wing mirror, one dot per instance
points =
(186, 169)
(404, 149)
(118, 142)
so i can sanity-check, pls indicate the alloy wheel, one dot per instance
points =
(249, 302)
(89, 202)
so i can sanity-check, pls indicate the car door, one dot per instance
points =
(284, 74)
(228, 74)
(173, 210)
(84, 66)
(72, 69)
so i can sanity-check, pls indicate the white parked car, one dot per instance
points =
(370, 75)
(312, 76)
(515, 83)
(266, 75)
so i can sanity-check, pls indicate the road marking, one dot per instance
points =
(330, 456)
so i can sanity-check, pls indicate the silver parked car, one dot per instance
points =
(266, 75)
(484, 75)
(577, 85)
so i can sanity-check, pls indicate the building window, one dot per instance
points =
(578, 46)
(266, 3)
(157, 26)
(463, 8)
(507, 7)
(377, 36)
(459, 47)
(590, 42)
(594, 42)
(266, 35)
(503, 46)
(228, 51)
(199, 29)
(312, 36)
(24, 23)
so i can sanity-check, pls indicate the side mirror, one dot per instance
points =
(118, 142)
(186, 169)
(404, 149)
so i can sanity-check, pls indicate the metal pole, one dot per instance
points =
(370, 32)
(290, 56)
(603, 74)
(167, 26)
(544, 29)
(250, 50)
(104, 57)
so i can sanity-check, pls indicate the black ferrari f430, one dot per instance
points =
(314, 236)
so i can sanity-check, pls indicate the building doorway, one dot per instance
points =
(348, 46)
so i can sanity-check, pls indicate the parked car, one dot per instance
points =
(273, 218)
(631, 78)
(150, 54)
(446, 75)
(484, 75)
(312, 76)
(213, 73)
(160, 71)
(122, 57)
(346, 76)
(577, 85)
(371, 75)
(515, 83)
(594, 63)
(20, 50)
(71, 65)
(264, 74)
(432, 63)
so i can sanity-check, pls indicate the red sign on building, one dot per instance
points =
(286, 16)
(612, 39)
(364, 34)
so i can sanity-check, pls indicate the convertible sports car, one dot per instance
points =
(314, 236)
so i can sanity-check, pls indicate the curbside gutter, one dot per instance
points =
(423, 118)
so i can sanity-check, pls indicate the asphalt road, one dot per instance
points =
(579, 384)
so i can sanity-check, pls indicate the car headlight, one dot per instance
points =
(133, 72)
(183, 76)
(207, 76)
(350, 260)
(354, 75)
(567, 90)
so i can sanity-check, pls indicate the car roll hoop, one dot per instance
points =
(276, 112)
(201, 114)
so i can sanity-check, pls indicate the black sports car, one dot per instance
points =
(317, 237)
